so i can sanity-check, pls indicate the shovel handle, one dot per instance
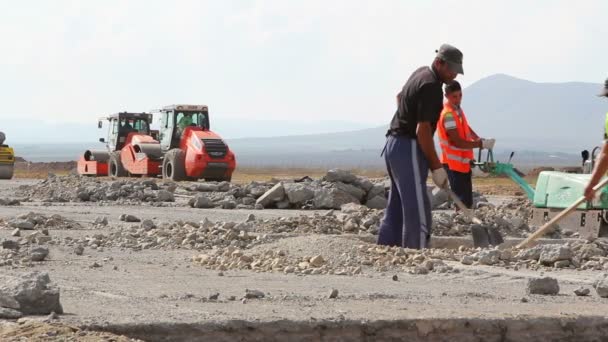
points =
(468, 212)
(542, 230)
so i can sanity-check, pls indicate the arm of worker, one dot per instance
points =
(424, 135)
(429, 107)
(474, 134)
(457, 141)
(600, 170)
(449, 124)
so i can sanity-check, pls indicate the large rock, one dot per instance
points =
(275, 194)
(223, 186)
(22, 224)
(530, 253)
(337, 175)
(488, 256)
(553, 253)
(378, 202)
(376, 190)
(588, 251)
(201, 202)
(165, 196)
(354, 191)
(31, 294)
(10, 244)
(206, 187)
(6, 313)
(601, 286)
(364, 183)
(39, 253)
(332, 198)
(543, 286)
(258, 191)
(298, 193)
(438, 197)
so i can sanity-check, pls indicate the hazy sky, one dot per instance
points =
(303, 60)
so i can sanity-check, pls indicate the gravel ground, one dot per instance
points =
(146, 292)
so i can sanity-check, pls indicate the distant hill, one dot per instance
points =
(566, 117)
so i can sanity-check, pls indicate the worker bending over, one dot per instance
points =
(602, 160)
(457, 140)
(410, 152)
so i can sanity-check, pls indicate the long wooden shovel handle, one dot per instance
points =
(468, 212)
(541, 231)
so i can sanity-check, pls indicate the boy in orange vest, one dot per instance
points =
(457, 140)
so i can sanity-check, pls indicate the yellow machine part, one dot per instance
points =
(7, 162)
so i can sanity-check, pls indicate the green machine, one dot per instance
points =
(554, 192)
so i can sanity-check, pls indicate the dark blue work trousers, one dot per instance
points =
(462, 185)
(407, 220)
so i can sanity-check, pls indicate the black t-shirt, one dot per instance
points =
(420, 100)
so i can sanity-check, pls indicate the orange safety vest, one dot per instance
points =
(458, 159)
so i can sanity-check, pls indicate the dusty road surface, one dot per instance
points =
(268, 277)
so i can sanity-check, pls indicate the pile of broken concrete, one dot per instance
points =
(336, 188)
(510, 219)
(31, 221)
(74, 188)
(352, 262)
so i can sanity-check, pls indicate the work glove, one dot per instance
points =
(440, 177)
(488, 144)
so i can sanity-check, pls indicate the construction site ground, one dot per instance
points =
(161, 295)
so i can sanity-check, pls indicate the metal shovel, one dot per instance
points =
(482, 236)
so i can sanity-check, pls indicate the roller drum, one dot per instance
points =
(98, 156)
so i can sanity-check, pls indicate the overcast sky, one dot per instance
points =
(302, 60)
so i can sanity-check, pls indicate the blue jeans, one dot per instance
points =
(407, 220)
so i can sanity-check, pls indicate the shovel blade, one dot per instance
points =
(481, 237)
(494, 236)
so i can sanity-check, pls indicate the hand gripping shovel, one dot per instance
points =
(542, 230)
(482, 236)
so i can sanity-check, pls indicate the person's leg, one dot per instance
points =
(468, 189)
(410, 173)
(451, 179)
(462, 187)
(391, 227)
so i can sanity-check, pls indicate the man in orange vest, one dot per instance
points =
(457, 140)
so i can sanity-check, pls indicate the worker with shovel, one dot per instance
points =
(410, 152)
(457, 140)
(602, 160)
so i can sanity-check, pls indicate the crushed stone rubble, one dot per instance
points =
(31, 221)
(352, 262)
(176, 235)
(74, 188)
(572, 255)
(511, 219)
(336, 188)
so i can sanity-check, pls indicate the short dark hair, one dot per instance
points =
(452, 87)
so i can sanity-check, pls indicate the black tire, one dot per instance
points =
(116, 169)
(174, 167)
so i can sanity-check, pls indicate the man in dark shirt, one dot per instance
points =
(410, 152)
